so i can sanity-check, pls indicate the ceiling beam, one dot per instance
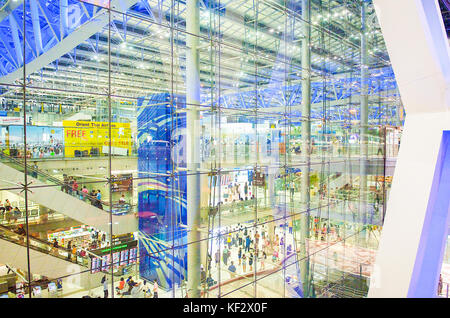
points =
(67, 44)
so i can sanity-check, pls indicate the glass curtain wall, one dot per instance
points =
(245, 147)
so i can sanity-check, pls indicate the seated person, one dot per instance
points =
(232, 268)
(134, 291)
(16, 213)
(130, 282)
(21, 231)
(210, 281)
(146, 290)
(121, 286)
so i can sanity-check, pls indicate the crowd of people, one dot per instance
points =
(97, 240)
(71, 186)
(130, 288)
(242, 248)
(9, 213)
(234, 192)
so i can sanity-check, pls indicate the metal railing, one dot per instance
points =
(43, 247)
(65, 187)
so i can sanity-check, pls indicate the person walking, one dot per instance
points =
(99, 200)
(8, 209)
(240, 255)
(202, 277)
(232, 269)
(263, 258)
(69, 249)
(244, 263)
(92, 197)
(155, 289)
(250, 261)
(21, 231)
(74, 253)
(247, 243)
(34, 173)
(292, 189)
(75, 187)
(245, 190)
(84, 192)
(217, 257)
(2, 209)
(70, 186)
(225, 255)
(65, 186)
(256, 240)
(104, 282)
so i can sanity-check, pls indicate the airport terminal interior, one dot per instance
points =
(195, 148)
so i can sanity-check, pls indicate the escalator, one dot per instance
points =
(46, 190)
(45, 260)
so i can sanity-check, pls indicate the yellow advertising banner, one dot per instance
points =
(90, 138)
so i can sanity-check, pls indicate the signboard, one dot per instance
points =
(259, 179)
(122, 238)
(115, 248)
(124, 254)
(122, 182)
(42, 141)
(11, 120)
(88, 138)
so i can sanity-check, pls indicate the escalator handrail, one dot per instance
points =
(30, 168)
(7, 229)
(48, 244)
(47, 176)
(57, 181)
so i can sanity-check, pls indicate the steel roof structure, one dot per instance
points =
(69, 44)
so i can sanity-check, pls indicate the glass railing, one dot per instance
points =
(64, 186)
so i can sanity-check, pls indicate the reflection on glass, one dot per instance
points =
(243, 128)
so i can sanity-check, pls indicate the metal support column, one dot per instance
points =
(306, 136)
(193, 146)
(364, 117)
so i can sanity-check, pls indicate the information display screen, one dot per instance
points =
(95, 265)
(42, 141)
(51, 287)
(124, 258)
(116, 259)
(37, 291)
(106, 261)
(20, 290)
(133, 256)
(122, 183)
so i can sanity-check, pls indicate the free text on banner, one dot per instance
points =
(83, 138)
